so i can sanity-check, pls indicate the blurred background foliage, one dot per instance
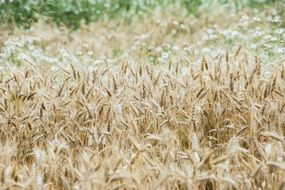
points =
(72, 13)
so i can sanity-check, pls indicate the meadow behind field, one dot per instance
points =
(142, 94)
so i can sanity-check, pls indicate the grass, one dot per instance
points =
(167, 101)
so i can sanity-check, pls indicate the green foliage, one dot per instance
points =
(71, 13)
(192, 5)
(19, 12)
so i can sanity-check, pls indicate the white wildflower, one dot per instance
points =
(279, 50)
(257, 19)
(163, 58)
(280, 31)
(182, 26)
(267, 37)
(244, 21)
(175, 48)
(158, 49)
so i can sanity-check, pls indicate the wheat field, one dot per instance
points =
(219, 126)
(114, 106)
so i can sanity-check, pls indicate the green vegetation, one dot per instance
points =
(72, 13)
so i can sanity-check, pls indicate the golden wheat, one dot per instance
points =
(141, 127)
